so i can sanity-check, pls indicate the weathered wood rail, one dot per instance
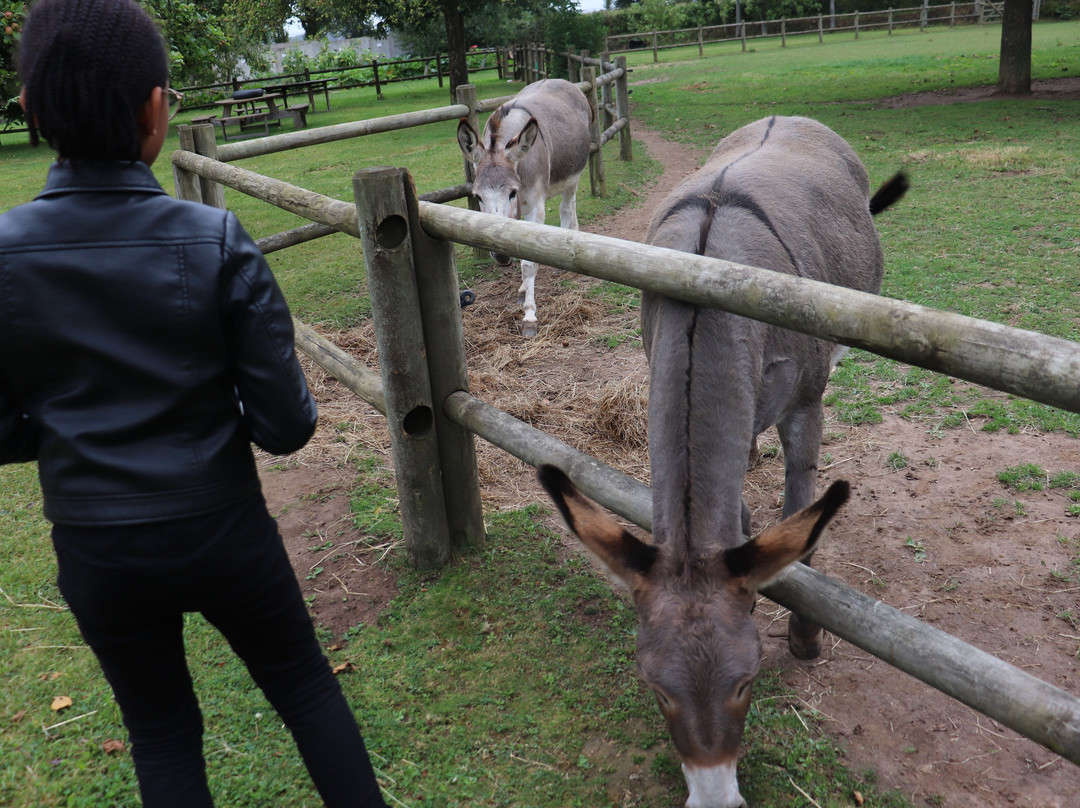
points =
(422, 388)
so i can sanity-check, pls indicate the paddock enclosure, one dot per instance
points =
(422, 384)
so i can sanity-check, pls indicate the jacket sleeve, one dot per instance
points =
(19, 434)
(278, 409)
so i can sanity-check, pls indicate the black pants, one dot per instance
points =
(129, 587)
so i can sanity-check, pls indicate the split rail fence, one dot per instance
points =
(951, 14)
(422, 385)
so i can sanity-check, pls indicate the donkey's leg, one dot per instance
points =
(800, 435)
(527, 290)
(568, 207)
(527, 298)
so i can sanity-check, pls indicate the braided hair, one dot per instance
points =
(88, 67)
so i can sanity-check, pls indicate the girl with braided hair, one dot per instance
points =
(144, 345)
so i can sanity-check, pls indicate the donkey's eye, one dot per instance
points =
(743, 691)
(662, 699)
(513, 195)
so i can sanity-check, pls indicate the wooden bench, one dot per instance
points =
(244, 122)
(297, 112)
(203, 119)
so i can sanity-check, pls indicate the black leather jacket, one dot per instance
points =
(144, 344)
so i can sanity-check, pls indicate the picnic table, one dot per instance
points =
(310, 87)
(250, 112)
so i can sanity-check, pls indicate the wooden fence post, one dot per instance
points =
(783, 33)
(655, 50)
(597, 182)
(466, 94)
(375, 71)
(622, 107)
(856, 25)
(573, 65)
(438, 68)
(820, 29)
(606, 94)
(205, 142)
(890, 21)
(187, 182)
(444, 340)
(700, 43)
(410, 412)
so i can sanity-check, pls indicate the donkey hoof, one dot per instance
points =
(529, 329)
(805, 647)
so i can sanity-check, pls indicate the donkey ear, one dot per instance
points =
(625, 556)
(520, 144)
(763, 558)
(469, 141)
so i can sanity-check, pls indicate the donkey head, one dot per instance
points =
(697, 646)
(496, 184)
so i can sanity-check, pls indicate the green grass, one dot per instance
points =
(1033, 477)
(494, 682)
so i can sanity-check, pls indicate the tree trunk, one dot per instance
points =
(455, 45)
(1014, 68)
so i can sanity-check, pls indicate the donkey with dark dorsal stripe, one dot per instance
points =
(786, 194)
(534, 148)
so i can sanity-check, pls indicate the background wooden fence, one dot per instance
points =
(202, 96)
(915, 16)
(422, 388)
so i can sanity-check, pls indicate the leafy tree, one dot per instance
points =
(462, 20)
(12, 15)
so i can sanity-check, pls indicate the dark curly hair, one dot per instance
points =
(88, 66)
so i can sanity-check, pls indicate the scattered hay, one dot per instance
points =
(563, 381)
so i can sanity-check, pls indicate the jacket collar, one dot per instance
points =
(74, 176)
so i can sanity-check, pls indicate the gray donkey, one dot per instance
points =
(534, 147)
(790, 195)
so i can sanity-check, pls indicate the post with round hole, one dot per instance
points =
(596, 158)
(622, 108)
(213, 193)
(466, 94)
(187, 183)
(444, 338)
(410, 411)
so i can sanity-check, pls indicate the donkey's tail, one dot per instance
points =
(889, 193)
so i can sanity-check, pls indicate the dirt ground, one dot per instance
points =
(940, 538)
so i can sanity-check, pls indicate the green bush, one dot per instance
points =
(12, 15)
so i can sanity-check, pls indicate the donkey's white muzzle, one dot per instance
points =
(713, 787)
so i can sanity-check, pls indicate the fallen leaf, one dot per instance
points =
(334, 647)
(19, 716)
(50, 677)
(113, 746)
(859, 798)
(61, 703)
(344, 666)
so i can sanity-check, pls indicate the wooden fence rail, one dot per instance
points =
(1026, 363)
